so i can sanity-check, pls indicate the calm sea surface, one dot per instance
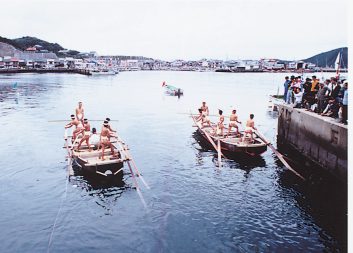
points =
(193, 206)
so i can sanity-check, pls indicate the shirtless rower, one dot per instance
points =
(86, 135)
(78, 127)
(80, 112)
(109, 127)
(204, 119)
(220, 125)
(233, 122)
(204, 108)
(250, 126)
(104, 139)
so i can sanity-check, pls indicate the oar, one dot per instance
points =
(137, 187)
(211, 141)
(65, 120)
(278, 154)
(211, 115)
(128, 155)
(219, 154)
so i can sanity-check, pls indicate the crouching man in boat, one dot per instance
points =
(233, 120)
(250, 127)
(94, 139)
(86, 135)
(104, 139)
(204, 119)
(78, 127)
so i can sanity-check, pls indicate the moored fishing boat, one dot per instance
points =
(172, 90)
(234, 144)
(96, 72)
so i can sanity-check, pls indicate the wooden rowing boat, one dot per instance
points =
(91, 162)
(233, 144)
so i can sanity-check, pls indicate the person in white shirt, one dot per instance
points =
(298, 96)
(94, 138)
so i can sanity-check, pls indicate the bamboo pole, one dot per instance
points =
(279, 155)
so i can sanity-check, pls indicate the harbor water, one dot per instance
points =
(247, 205)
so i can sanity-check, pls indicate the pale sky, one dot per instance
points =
(190, 30)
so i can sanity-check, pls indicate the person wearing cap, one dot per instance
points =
(80, 112)
(104, 139)
(220, 125)
(78, 126)
(86, 135)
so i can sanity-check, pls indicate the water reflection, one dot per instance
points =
(105, 190)
(321, 198)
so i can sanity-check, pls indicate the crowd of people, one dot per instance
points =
(327, 98)
(203, 117)
(82, 132)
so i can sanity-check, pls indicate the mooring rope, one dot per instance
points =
(57, 215)
(64, 197)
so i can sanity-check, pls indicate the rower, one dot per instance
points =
(204, 119)
(109, 127)
(204, 108)
(104, 139)
(86, 135)
(220, 125)
(250, 127)
(80, 112)
(78, 126)
(233, 122)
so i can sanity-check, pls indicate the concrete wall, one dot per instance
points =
(320, 139)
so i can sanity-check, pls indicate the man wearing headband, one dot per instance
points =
(104, 139)
(78, 126)
(86, 134)
(109, 127)
(79, 112)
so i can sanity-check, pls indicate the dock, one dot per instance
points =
(320, 139)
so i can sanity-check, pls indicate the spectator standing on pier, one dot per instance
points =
(286, 85)
(290, 90)
(321, 96)
(314, 86)
(345, 103)
(307, 99)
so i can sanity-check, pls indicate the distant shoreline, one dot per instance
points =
(87, 72)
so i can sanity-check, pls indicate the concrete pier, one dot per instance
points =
(318, 138)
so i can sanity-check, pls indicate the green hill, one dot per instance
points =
(10, 42)
(27, 41)
(327, 59)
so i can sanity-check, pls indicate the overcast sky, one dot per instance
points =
(193, 29)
